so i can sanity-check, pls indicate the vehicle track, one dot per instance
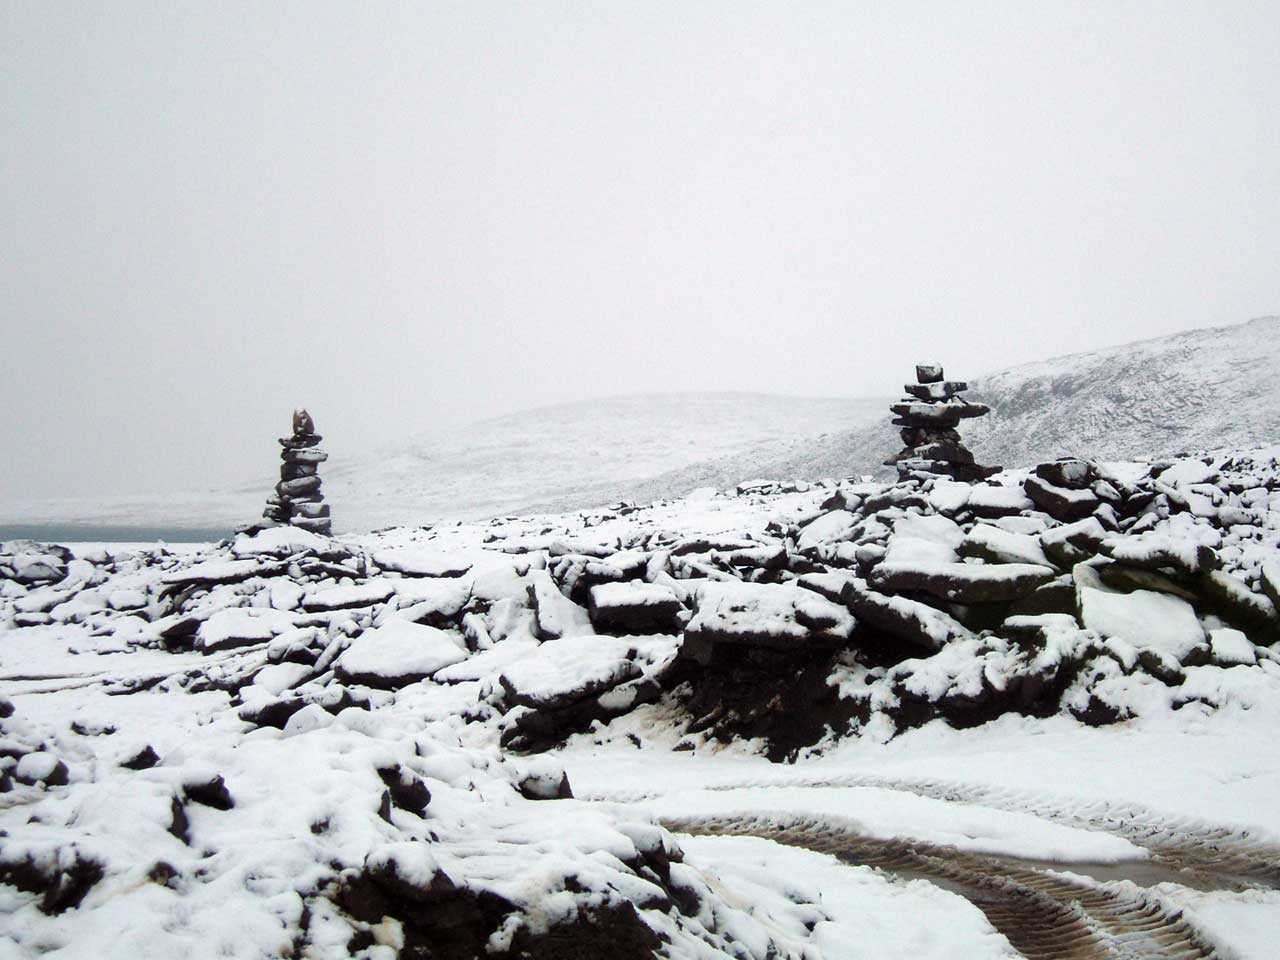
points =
(1044, 915)
(1235, 857)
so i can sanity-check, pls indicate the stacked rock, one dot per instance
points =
(297, 499)
(928, 418)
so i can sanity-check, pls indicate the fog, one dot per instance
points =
(405, 217)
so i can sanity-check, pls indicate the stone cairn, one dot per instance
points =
(297, 499)
(928, 418)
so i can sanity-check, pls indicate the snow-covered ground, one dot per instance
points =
(1014, 713)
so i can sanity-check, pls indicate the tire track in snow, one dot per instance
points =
(1236, 856)
(1045, 916)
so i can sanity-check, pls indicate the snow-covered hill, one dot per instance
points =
(1207, 389)
(1204, 389)
(557, 457)
(580, 454)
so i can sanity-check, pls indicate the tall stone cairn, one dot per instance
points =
(928, 417)
(297, 499)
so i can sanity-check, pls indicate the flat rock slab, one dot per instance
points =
(1143, 618)
(991, 500)
(566, 671)
(995, 545)
(900, 617)
(397, 654)
(961, 582)
(634, 607)
(1061, 503)
(281, 542)
(765, 614)
(220, 571)
(1155, 550)
(555, 615)
(347, 597)
(420, 562)
(241, 627)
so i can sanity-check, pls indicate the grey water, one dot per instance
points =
(109, 533)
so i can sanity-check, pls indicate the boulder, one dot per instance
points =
(397, 654)
(766, 615)
(1231, 598)
(564, 671)
(634, 607)
(1146, 619)
(908, 620)
(961, 582)
(1155, 550)
(1071, 473)
(1269, 579)
(1061, 503)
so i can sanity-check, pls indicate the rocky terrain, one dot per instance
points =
(400, 743)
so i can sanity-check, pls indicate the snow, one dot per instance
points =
(996, 497)
(400, 649)
(828, 528)
(608, 596)
(213, 571)
(278, 542)
(1231, 646)
(417, 561)
(860, 907)
(348, 595)
(241, 626)
(562, 671)
(888, 814)
(1005, 546)
(770, 613)
(376, 714)
(1144, 618)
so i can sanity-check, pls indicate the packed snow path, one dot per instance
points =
(1193, 848)
(1045, 915)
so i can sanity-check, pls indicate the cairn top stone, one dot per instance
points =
(928, 372)
(302, 423)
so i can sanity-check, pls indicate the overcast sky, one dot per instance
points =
(404, 217)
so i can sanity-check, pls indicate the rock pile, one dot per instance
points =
(297, 500)
(928, 416)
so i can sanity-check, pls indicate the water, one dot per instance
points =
(107, 533)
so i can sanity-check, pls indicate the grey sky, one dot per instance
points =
(405, 216)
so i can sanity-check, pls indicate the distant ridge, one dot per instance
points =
(1198, 390)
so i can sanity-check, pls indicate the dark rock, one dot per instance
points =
(1126, 578)
(1270, 583)
(407, 791)
(961, 582)
(1071, 473)
(928, 372)
(1062, 503)
(538, 786)
(57, 777)
(60, 889)
(179, 825)
(273, 713)
(211, 793)
(636, 608)
(1056, 596)
(900, 617)
(144, 759)
(1239, 606)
